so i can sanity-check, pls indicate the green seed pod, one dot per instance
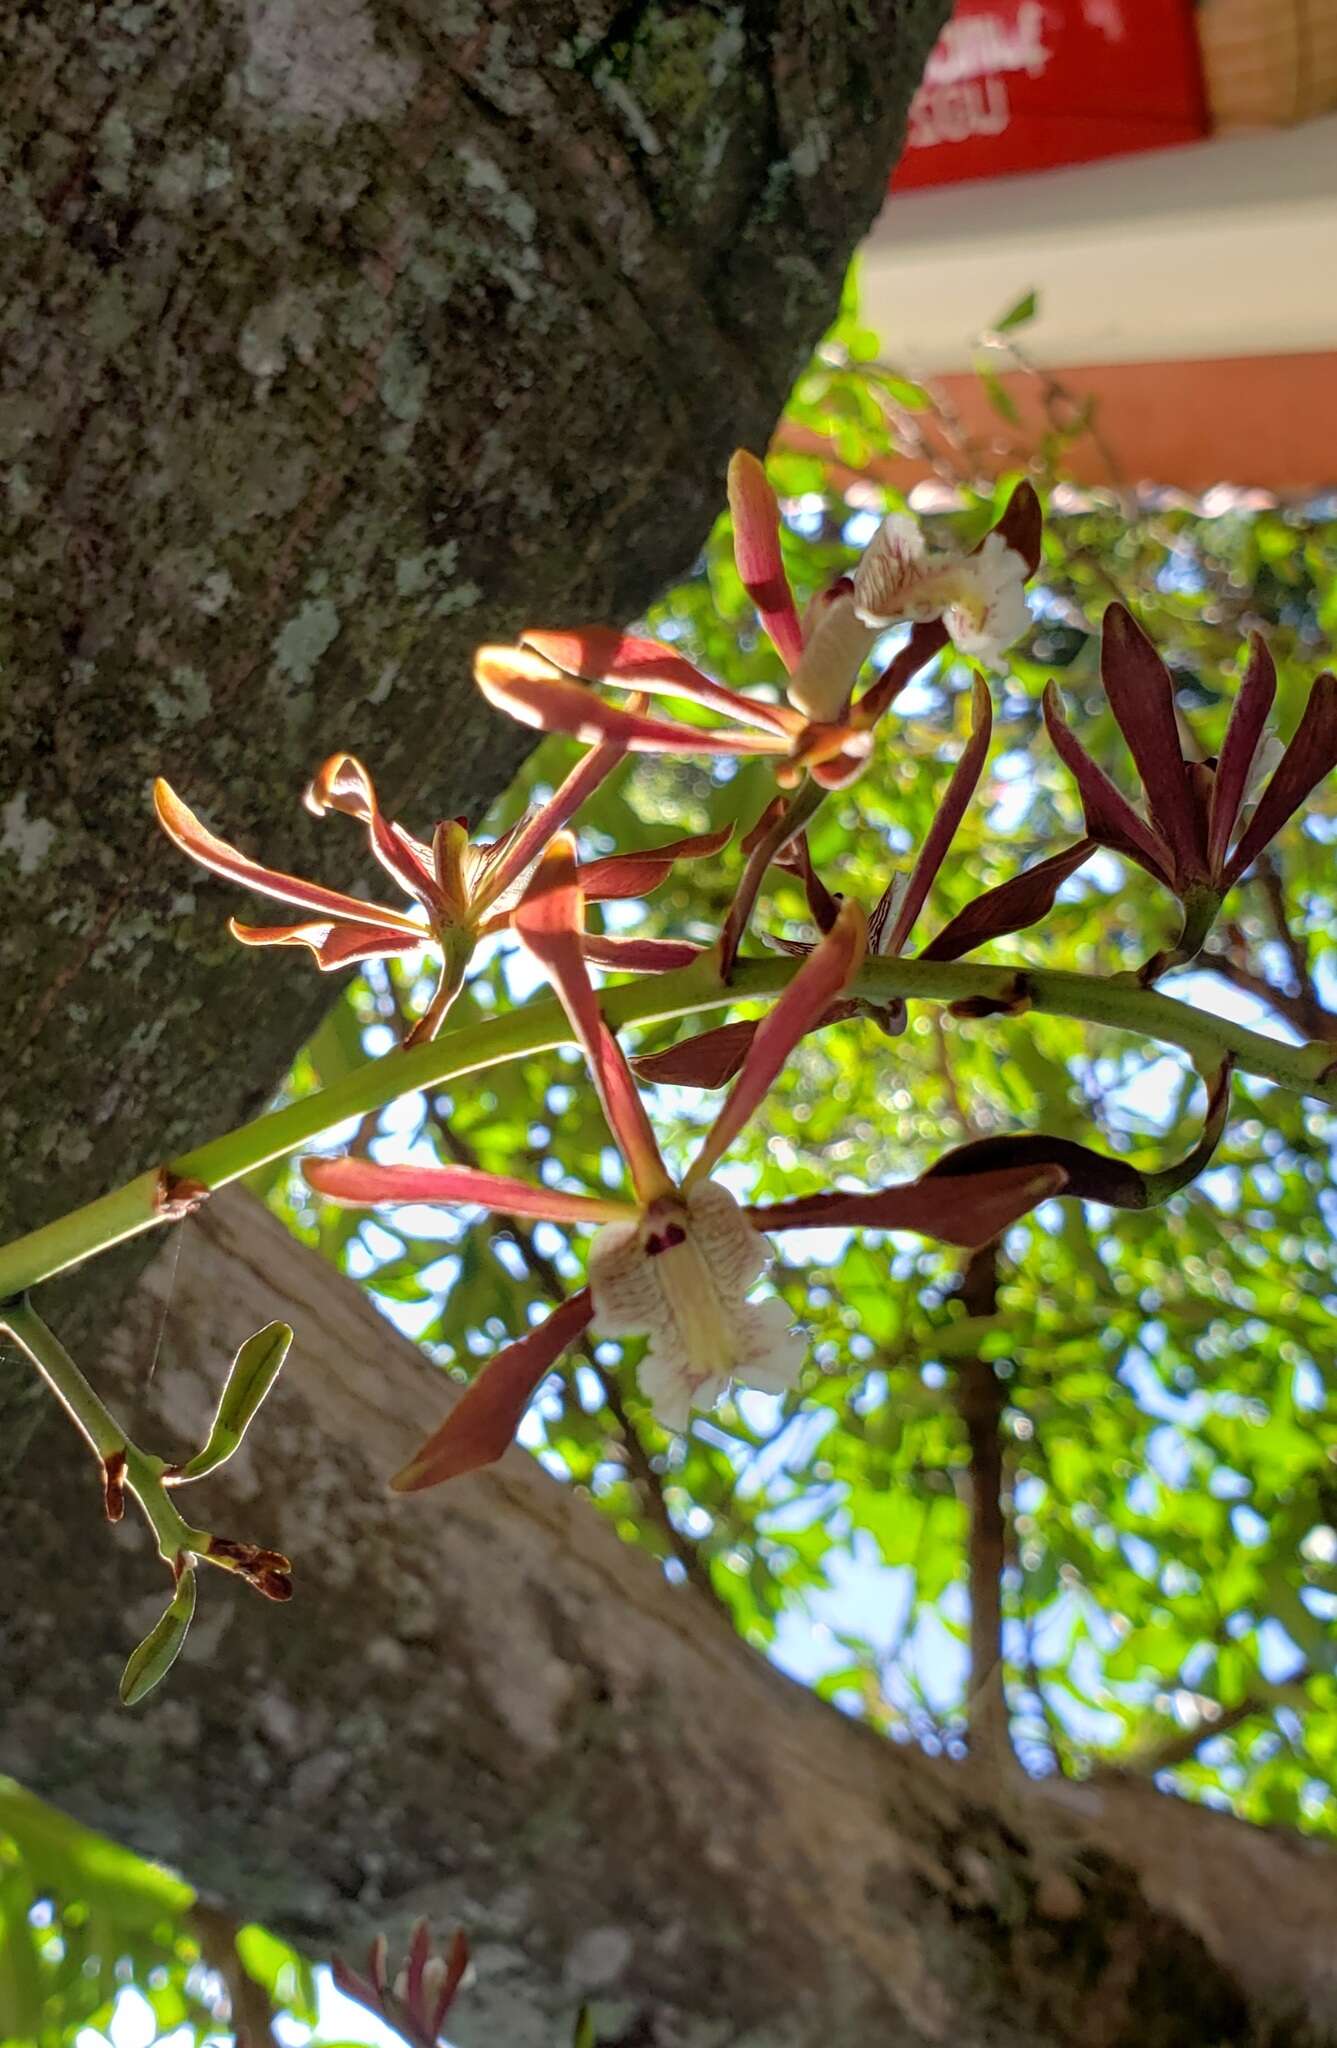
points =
(254, 1371)
(155, 1656)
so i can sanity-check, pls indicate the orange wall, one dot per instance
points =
(1265, 421)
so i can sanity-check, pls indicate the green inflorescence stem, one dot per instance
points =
(142, 1474)
(1116, 1002)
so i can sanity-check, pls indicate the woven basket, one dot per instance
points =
(1268, 63)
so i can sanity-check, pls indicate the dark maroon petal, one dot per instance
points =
(1090, 1175)
(947, 818)
(1311, 755)
(926, 640)
(1142, 698)
(1110, 818)
(706, 1061)
(1011, 907)
(1239, 749)
(1022, 526)
(968, 1210)
(630, 955)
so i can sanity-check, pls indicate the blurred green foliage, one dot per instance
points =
(1167, 1379)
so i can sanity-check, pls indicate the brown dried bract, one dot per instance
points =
(113, 1485)
(177, 1197)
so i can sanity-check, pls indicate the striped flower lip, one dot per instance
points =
(554, 681)
(675, 1261)
(464, 889)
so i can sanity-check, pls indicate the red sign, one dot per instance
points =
(1022, 85)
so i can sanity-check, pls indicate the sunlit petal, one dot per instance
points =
(600, 654)
(755, 512)
(519, 682)
(343, 784)
(365, 1183)
(334, 945)
(184, 828)
(549, 923)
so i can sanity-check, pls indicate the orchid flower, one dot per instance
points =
(467, 888)
(975, 598)
(1193, 808)
(711, 1058)
(676, 1262)
(418, 2003)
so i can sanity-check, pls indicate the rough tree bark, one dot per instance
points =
(482, 1705)
(337, 336)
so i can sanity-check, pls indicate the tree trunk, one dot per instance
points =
(481, 1705)
(339, 336)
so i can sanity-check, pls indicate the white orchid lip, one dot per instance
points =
(979, 597)
(679, 1276)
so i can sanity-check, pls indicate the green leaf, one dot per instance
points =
(149, 1663)
(253, 1372)
(286, 1977)
(1019, 314)
(69, 1861)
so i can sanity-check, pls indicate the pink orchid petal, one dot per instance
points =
(515, 852)
(1110, 818)
(529, 689)
(334, 945)
(823, 907)
(969, 1210)
(185, 830)
(1141, 695)
(550, 924)
(1022, 526)
(600, 654)
(343, 784)
(620, 875)
(831, 964)
(707, 1061)
(484, 1420)
(947, 818)
(420, 1947)
(1311, 755)
(630, 955)
(455, 1968)
(366, 1183)
(926, 639)
(755, 511)
(764, 844)
(1011, 907)
(1239, 749)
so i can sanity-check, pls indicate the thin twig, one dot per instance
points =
(981, 1399)
(1181, 1748)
